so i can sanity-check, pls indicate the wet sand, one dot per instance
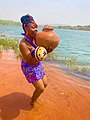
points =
(65, 98)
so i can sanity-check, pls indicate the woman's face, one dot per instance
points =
(32, 30)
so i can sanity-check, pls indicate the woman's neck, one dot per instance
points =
(31, 38)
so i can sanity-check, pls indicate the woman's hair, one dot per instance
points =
(26, 19)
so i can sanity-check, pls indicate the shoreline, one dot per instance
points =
(66, 27)
(65, 98)
(80, 74)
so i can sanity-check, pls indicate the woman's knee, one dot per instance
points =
(40, 88)
(45, 82)
(39, 85)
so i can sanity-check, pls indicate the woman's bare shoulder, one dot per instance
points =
(22, 41)
(22, 44)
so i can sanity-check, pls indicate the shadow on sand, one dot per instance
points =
(11, 104)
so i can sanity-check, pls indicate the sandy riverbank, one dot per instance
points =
(65, 98)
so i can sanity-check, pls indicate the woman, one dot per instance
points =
(33, 72)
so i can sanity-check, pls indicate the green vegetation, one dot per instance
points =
(52, 56)
(73, 64)
(2, 35)
(70, 62)
(7, 44)
(78, 27)
(9, 22)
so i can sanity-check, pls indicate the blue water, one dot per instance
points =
(73, 43)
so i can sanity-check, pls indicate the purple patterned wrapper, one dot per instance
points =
(32, 73)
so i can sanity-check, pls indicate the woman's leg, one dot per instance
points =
(45, 82)
(39, 88)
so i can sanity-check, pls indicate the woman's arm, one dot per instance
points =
(25, 52)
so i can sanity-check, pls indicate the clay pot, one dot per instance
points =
(47, 38)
